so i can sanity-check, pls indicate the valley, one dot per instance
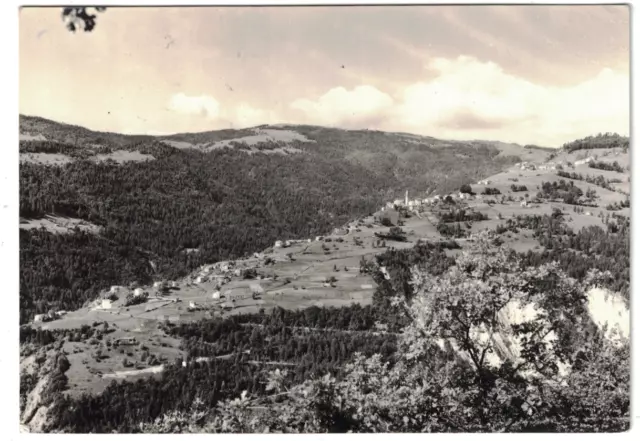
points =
(138, 328)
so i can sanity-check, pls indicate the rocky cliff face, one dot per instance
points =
(42, 377)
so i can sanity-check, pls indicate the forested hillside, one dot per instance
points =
(359, 374)
(225, 203)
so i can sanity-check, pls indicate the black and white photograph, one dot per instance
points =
(338, 218)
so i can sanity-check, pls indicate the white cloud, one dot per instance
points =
(203, 105)
(471, 99)
(340, 106)
(464, 98)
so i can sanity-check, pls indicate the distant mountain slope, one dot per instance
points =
(73, 135)
(225, 202)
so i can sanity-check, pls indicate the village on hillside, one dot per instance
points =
(319, 271)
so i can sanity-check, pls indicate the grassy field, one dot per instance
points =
(59, 225)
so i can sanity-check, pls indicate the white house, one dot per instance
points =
(138, 292)
(39, 318)
(106, 304)
(216, 295)
(199, 279)
(278, 244)
(524, 203)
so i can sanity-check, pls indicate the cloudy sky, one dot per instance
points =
(527, 74)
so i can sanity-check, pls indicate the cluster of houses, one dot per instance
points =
(584, 161)
(51, 315)
(107, 299)
(416, 204)
(221, 272)
(526, 166)
(288, 243)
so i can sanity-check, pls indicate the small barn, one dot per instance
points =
(390, 216)
(126, 341)
(39, 318)
(256, 289)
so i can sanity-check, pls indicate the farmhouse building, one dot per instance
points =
(126, 341)
(40, 318)
(391, 216)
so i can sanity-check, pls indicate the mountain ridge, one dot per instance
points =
(36, 125)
